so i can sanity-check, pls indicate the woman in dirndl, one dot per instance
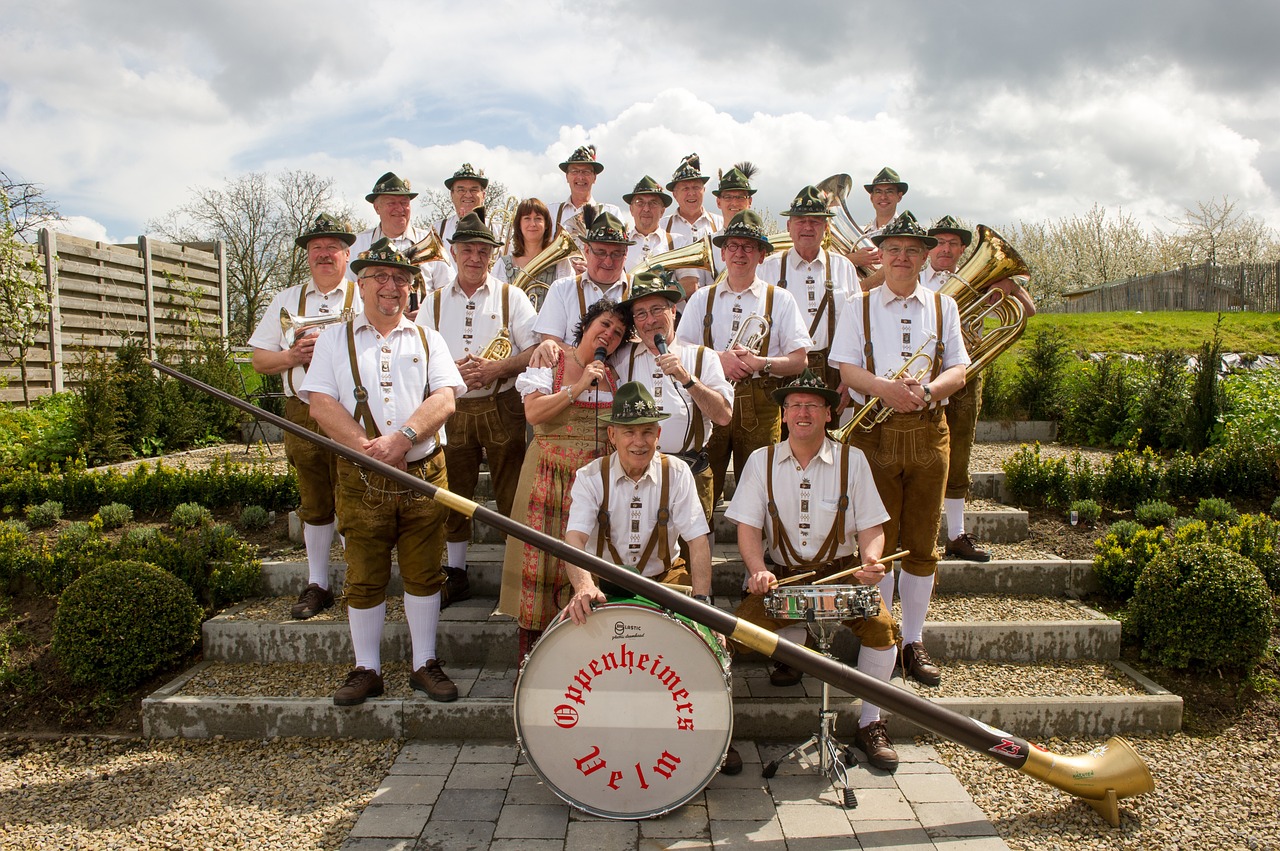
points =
(562, 403)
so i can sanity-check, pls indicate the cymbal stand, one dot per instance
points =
(830, 753)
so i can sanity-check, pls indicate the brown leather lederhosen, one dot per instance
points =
(818, 357)
(657, 536)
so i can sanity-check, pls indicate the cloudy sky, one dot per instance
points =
(995, 112)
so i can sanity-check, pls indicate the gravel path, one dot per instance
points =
(96, 793)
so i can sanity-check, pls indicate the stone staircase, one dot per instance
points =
(259, 643)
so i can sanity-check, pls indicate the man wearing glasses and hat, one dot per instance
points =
(647, 203)
(580, 171)
(470, 312)
(878, 336)
(813, 504)
(568, 298)
(392, 200)
(328, 293)
(820, 280)
(466, 193)
(723, 317)
(384, 386)
(886, 190)
(686, 381)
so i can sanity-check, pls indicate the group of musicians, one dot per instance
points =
(684, 372)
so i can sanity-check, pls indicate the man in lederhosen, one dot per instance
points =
(880, 332)
(392, 199)
(821, 280)
(580, 171)
(647, 201)
(813, 504)
(568, 298)
(687, 382)
(328, 293)
(635, 507)
(470, 313)
(714, 317)
(385, 387)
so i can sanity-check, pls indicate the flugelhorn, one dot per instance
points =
(562, 246)
(292, 326)
(993, 259)
(873, 411)
(751, 334)
(499, 347)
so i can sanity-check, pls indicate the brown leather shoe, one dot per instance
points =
(963, 547)
(916, 663)
(873, 740)
(784, 675)
(732, 762)
(361, 684)
(312, 601)
(457, 586)
(432, 679)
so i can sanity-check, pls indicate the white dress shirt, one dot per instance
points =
(634, 362)
(787, 333)
(270, 336)
(807, 282)
(434, 273)
(563, 307)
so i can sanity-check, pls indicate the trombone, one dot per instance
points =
(873, 411)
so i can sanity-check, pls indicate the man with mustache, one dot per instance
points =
(392, 199)
(328, 293)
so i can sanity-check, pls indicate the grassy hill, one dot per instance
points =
(1184, 331)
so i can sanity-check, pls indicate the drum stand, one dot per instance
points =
(832, 756)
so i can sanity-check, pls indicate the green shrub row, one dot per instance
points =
(149, 489)
(1130, 478)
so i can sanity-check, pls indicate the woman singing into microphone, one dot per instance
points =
(562, 403)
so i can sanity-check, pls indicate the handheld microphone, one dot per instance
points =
(413, 301)
(660, 342)
(602, 355)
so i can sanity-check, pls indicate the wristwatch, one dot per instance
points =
(928, 394)
(767, 369)
(409, 433)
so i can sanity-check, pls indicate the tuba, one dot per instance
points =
(294, 326)
(699, 255)
(562, 246)
(844, 235)
(993, 259)
(503, 224)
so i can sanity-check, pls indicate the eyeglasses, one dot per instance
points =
(616, 256)
(468, 190)
(805, 407)
(734, 196)
(645, 203)
(642, 315)
(740, 247)
(384, 278)
(912, 251)
(580, 169)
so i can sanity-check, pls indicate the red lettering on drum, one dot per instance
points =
(668, 677)
(591, 762)
(644, 660)
(644, 784)
(595, 668)
(566, 716)
(679, 694)
(624, 659)
(614, 777)
(575, 694)
(583, 680)
(667, 764)
(684, 723)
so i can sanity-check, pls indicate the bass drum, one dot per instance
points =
(629, 715)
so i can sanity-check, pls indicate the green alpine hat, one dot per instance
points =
(389, 184)
(633, 405)
(690, 168)
(886, 175)
(381, 253)
(947, 224)
(737, 179)
(585, 155)
(745, 225)
(471, 228)
(325, 225)
(905, 224)
(809, 203)
(466, 172)
(655, 281)
(807, 382)
(648, 186)
(606, 227)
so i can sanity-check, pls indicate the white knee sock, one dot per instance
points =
(456, 554)
(878, 664)
(423, 614)
(886, 587)
(915, 592)
(318, 540)
(793, 633)
(366, 635)
(955, 517)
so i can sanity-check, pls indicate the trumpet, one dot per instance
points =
(294, 326)
(873, 412)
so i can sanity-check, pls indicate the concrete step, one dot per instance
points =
(988, 484)
(484, 708)
(1048, 577)
(262, 632)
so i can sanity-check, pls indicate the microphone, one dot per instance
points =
(660, 342)
(413, 301)
(602, 354)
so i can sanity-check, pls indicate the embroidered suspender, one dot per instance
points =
(658, 536)
(869, 355)
(697, 425)
(824, 306)
(768, 314)
(362, 413)
(835, 537)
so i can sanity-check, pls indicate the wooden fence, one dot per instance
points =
(103, 295)
(1251, 286)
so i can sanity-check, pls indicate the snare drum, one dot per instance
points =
(826, 602)
(629, 715)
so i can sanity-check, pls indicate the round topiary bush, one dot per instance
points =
(1201, 605)
(122, 622)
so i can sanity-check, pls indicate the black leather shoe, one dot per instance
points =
(916, 663)
(457, 586)
(873, 740)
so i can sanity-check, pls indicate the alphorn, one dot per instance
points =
(1101, 778)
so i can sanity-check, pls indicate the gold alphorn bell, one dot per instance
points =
(874, 406)
(562, 246)
(993, 259)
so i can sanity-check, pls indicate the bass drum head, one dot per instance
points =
(626, 717)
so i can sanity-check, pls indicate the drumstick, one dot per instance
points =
(886, 560)
(791, 579)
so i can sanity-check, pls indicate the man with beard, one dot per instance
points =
(328, 293)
